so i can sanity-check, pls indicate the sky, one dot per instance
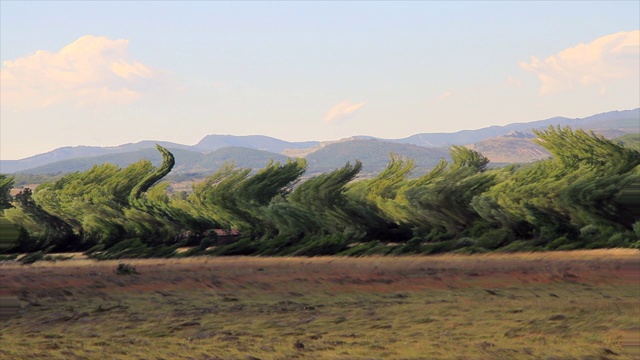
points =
(109, 73)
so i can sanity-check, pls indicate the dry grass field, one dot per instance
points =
(566, 305)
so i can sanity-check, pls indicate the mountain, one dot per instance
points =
(627, 121)
(507, 149)
(495, 141)
(73, 152)
(187, 161)
(374, 155)
(518, 146)
(259, 142)
(207, 144)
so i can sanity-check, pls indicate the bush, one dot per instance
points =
(413, 246)
(494, 239)
(369, 248)
(323, 245)
(55, 258)
(125, 269)
(519, 246)
(8, 257)
(132, 249)
(206, 243)
(241, 247)
(31, 258)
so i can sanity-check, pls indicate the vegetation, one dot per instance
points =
(585, 196)
(569, 305)
(630, 140)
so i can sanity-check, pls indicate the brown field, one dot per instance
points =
(564, 305)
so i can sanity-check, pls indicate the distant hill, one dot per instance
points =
(504, 149)
(518, 147)
(186, 161)
(490, 140)
(374, 155)
(259, 142)
(621, 122)
(76, 152)
(630, 140)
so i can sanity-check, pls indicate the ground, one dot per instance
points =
(563, 305)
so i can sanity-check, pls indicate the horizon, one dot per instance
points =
(308, 140)
(163, 71)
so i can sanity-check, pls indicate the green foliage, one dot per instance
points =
(8, 257)
(31, 258)
(6, 183)
(132, 249)
(585, 196)
(630, 140)
(167, 164)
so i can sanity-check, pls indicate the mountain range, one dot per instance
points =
(502, 144)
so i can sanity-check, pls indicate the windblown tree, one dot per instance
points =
(582, 185)
(6, 183)
(585, 196)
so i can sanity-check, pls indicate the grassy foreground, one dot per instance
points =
(569, 305)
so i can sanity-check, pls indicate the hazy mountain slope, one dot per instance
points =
(518, 146)
(374, 155)
(186, 161)
(241, 157)
(623, 121)
(611, 124)
(630, 140)
(260, 142)
(510, 150)
(73, 152)
(121, 159)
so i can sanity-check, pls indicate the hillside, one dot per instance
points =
(510, 150)
(186, 161)
(259, 142)
(374, 155)
(630, 140)
(490, 140)
(611, 124)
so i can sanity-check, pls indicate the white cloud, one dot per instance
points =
(90, 71)
(341, 112)
(608, 59)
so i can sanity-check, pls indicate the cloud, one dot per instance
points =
(90, 71)
(444, 96)
(606, 60)
(341, 112)
(512, 82)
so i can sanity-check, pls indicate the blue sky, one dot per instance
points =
(107, 73)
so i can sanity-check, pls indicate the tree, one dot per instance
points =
(6, 183)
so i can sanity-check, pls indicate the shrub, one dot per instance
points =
(323, 245)
(125, 269)
(31, 258)
(241, 247)
(206, 243)
(519, 246)
(413, 246)
(55, 258)
(369, 248)
(495, 239)
(8, 257)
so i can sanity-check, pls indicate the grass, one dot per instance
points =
(571, 305)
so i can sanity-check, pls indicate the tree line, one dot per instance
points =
(587, 195)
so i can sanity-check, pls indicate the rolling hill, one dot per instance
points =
(495, 142)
